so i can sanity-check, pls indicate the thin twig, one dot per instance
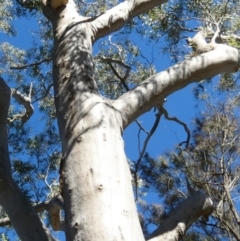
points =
(115, 45)
(109, 61)
(29, 65)
(141, 127)
(46, 93)
(122, 79)
(154, 127)
(46, 177)
(116, 73)
(166, 115)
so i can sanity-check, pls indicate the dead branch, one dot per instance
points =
(166, 115)
(26, 102)
(52, 206)
(154, 127)
(30, 65)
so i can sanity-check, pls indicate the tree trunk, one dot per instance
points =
(13, 201)
(94, 173)
(95, 176)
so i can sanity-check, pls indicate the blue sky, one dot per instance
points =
(181, 104)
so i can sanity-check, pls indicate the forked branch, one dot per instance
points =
(153, 90)
(26, 102)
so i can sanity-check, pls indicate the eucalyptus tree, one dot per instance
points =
(210, 163)
(215, 168)
(95, 180)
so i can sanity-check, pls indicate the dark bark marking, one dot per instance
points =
(61, 177)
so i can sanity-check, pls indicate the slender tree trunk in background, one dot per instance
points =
(96, 181)
(14, 202)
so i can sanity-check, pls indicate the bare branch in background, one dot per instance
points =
(45, 95)
(109, 61)
(166, 115)
(154, 127)
(53, 206)
(30, 65)
(26, 102)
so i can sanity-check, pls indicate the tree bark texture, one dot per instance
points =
(188, 211)
(95, 177)
(96, 181)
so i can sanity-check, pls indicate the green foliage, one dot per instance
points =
(211, 163)
(3, 237)
(9, 55)
(35, 146)
(234, 42)
(6, 16)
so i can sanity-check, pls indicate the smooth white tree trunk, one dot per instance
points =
(94, 173)
(12, 200)
(95, 176)
(96, 183)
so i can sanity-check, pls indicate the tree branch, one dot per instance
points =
(115, 18)
(199, 44)
(154, 127)
(20, 67)
(45, 95)
(153, 90)
(122, 79)
(188, 211)
(109, 61)
(26, 102)
(166, 115)
(53, 206)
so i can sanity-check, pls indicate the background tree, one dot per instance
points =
(95, 181)
(210, 163)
